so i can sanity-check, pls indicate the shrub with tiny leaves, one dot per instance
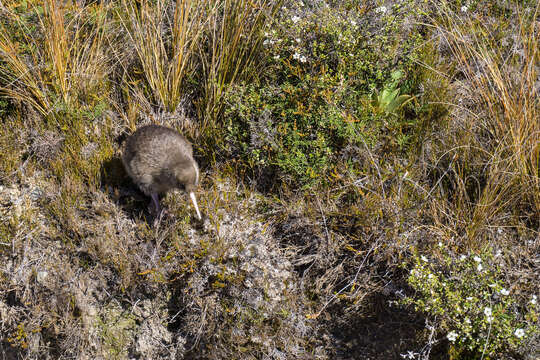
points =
(476, 309)
(315, 98)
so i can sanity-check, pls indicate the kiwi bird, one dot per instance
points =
(159, 159)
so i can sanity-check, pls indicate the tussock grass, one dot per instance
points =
(496, 159)
(166, 45)
(483, 184)
(55, 58)
(194, 51)
(230, 51)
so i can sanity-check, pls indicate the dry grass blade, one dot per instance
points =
(56, 43)
(505, 88)
(165, 47)
(74, 50)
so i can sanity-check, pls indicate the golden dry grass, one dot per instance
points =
(72, 49)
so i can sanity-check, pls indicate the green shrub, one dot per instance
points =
(315, 99)
(473, 301)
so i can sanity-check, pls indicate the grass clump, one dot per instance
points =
(165, 37)
(496, 156)
(71, 42)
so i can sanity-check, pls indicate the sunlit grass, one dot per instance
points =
(165, 46)
(504, 133)
(232, 42)
(55, 58)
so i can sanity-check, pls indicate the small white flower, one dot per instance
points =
(381, 9)
(303, 59)
(353, 23)
(504, 292)
(301, 3)
(462, 257)
(498, 253)
(487, 312)
(266, 34)
(451, 336)
(467, 321)
(295, 19)
(430, 276)
(534, 300)
(479, 267)
(266, 42)
(296, 56)
(423, 258)
(408, 355)
(276, 57)
(469, 298)
(492, 285)
(477, 259)
(298, 40)
(499, 231)
(464, 8)
(519, 333)
(440, 244)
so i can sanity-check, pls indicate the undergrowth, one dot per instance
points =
(331, 87)
(361, 162)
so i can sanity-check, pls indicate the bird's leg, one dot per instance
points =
(159, 211)
(155, 202)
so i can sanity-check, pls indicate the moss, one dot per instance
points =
(116, 329)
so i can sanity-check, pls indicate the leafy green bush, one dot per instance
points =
(474, 303)
(315, 99)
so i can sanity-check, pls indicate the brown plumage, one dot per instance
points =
(159, 159)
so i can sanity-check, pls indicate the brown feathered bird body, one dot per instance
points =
(159, 159)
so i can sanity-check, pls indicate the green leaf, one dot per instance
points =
(397, 74)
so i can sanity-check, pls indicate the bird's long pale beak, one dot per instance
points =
(194, 200)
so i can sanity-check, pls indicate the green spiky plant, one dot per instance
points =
(390, 99)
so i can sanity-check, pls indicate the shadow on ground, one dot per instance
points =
(123, 191)
(384, 333)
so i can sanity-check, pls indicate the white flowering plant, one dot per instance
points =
(465, 6)
(477, 309)
(314, 98)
